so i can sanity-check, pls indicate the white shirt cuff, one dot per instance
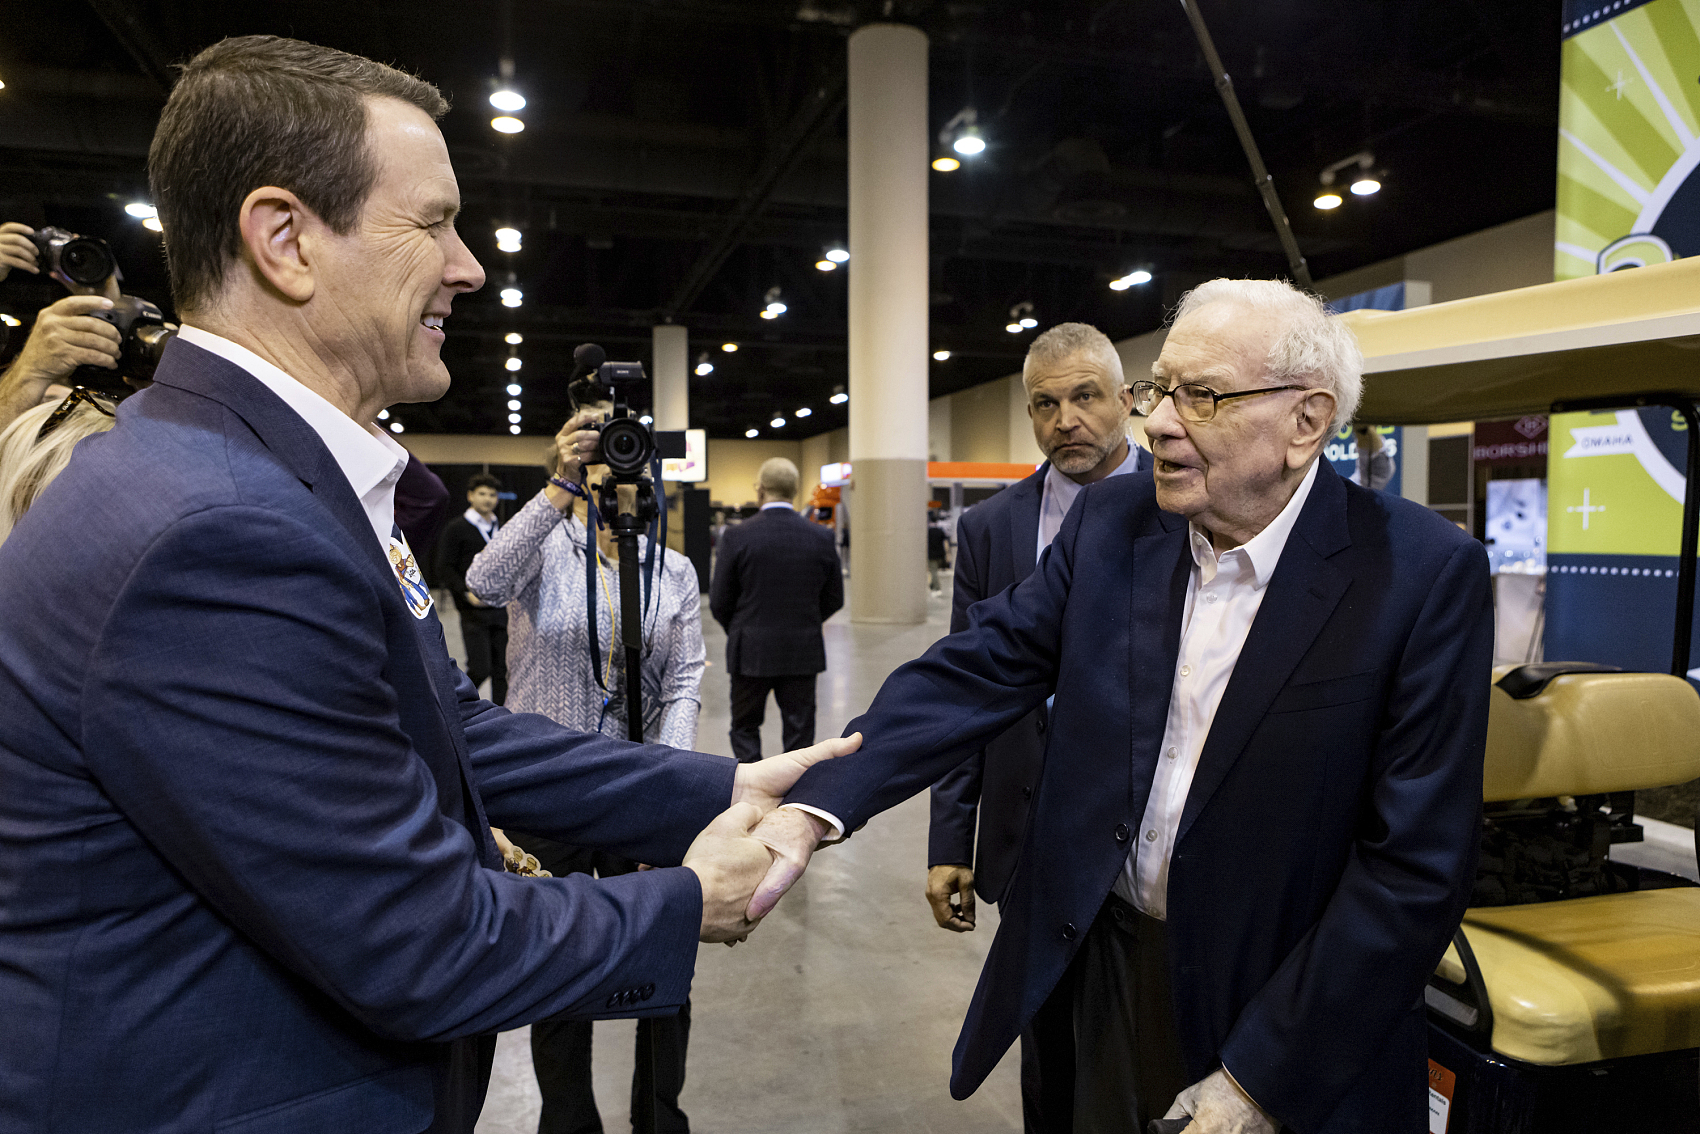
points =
(826, 817)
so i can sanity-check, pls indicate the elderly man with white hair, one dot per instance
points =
(1256, 826)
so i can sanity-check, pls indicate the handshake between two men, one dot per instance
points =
(756, 849)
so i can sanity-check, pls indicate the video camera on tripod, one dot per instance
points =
(85, 265)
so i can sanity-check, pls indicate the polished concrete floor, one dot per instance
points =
(840, 1013)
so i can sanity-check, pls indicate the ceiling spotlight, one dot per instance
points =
(513, 338)
(513, 404)
(752, 433)
(10, 320)
(1122, 283)
(512, 297)
(775, 306)
(508, 239)
(507, 99)
(152, 225)
(804, 412)
(838, 255)
(506, 124)
(962, 133)
(1012, 328)
(513, 419)
(729, 348)
(1028, 323)
(941, 356)
(825, 266)
(946, 164)
(704, 366)
(397, 427)
(515, 390)
(1365, 185)
(646, 420)
(777, 423)
(1327, 199)
(969, 143)
(839, 398)
(141, 211)
(513, 364)
(514, 429)
(1021, 318)
(383, 415)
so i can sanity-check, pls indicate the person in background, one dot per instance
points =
(776, 579)
(1375, 463)
(1078, 401)
(37, 446)
(938, 552)
(535, 566)
(483, 627)
(421, 506)
(65, 335)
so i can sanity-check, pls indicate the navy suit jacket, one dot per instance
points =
(776, 579)
(1328, 843)
(995, 549)
(247, 881)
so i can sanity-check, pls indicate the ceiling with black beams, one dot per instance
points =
(680, 159)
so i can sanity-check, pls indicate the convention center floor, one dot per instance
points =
(839, 1015)
(840, 1012)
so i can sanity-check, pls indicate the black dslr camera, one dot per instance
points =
(84, 264)
(627, 446)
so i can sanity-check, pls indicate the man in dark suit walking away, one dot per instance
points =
(776, 579)
(483, 628)
(1079, 403)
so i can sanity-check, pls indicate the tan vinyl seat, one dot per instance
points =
(1599, 977)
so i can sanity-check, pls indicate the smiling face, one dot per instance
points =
(388, 284)
(1078, 410)
(1234, 473)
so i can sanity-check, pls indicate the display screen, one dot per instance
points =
(693, 466)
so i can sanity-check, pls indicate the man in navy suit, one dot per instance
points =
(247, 878)
(776, 579)
(1256, 826)
(1079, 404)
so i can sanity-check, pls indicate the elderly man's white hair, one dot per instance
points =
(1069, 340)
(1314, 347)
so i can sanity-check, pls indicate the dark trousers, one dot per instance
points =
(1047, 1064)
(1128, 1066)
(796, 697)
(486, 641)
(560, 1048)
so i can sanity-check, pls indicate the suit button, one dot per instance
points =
(648, 991)
(1026, 793)
(1122, 833)
(1041, 726)
(1069, 932)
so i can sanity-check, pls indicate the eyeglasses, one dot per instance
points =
(78, 395)
(1193, 401)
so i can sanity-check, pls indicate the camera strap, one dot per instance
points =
(593, 521)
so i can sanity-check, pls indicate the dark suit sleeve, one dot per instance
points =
(956, 797)
(421, 504)
(452, 559)
(238, 712)
(723, 588)
(832, 590)
(933, 712)
(1310, 1032)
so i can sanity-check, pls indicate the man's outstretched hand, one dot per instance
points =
(766, 782)
(729, 864)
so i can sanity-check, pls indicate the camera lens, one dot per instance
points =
(86, 261)
(626, 446)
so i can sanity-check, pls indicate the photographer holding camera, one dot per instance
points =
(66, 334)
(535, 565)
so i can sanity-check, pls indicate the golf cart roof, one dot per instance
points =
(1518, 352)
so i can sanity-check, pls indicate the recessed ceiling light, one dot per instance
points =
(804, 412)
(507, 99)
(513, 403)
(777, 423)
(515, 363)
(837, 255)
(1365, 186)
(839, 398)
(729, 348)
(513, 419)
(941, 355)
(152, 225)
(752, 433)
(504, 124)
(514, 429)
(397, 427)
(141, 210)
(513, 338)
(946, 164)
(512, 297)
(825, 266)
(514, 389)
(1327, 199)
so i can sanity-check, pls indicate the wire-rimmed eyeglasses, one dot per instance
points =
(78, 394)
(1193, 400)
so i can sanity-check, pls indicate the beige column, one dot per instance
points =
(671, 377)
(888, 324)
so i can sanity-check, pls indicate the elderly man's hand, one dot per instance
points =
(945, 882)
(729, 864)
(16, 249)
(1217, 1105)
(66, 335)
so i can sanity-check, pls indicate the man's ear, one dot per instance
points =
(1314, 419)
(274, 225)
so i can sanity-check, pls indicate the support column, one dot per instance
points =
(888, 323)
(671, 377)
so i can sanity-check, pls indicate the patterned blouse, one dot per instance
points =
(535, 567)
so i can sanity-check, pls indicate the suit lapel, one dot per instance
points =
(1157, 600)
(1026, 495)
(1302, 595)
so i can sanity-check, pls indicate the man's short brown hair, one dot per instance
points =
(261, 110)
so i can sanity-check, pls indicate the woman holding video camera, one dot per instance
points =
(536, 566)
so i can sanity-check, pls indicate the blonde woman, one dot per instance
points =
(37, 446)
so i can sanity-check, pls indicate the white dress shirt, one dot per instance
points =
(1223, 594)
(779, 504)
(486, 528)
(370, 459)
(1058, 494)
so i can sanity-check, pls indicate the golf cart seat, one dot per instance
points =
(1601, 977)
